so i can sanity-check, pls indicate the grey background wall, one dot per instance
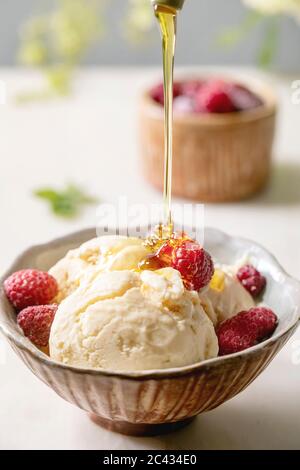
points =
(200, 23)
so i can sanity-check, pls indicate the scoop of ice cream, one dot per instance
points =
(99, 254)
(225, 296)
(125, 320)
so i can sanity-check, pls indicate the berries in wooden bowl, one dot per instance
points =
(222, 138)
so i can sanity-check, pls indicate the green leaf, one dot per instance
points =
(233, 36)
(47, 193)
(77, 195)
(270, 43)
(66, 203)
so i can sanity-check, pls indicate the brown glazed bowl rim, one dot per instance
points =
(23, 343)
(258, 86)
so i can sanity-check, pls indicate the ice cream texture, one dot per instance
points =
(114, 315)
(129, 320)
(106, 253)
(225, 296)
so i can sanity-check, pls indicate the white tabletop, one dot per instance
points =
(90, 138)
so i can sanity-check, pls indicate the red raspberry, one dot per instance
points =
(183, 104)
(214, 97)
(157, 92)
(253, 281)
(36, 323)
(243, 98)
(190, 259)
(191, 87)
(30, 287)
(245, 329)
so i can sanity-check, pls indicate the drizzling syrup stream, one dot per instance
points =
(166, 14)
(167, 18)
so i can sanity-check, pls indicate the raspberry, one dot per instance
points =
(214, 97)
(190, 88)
(36, 323)
(253, 281)
(157, 92)
(243, 98)
(190, 259)
(245, 329)
(183, 104)
(30, 287)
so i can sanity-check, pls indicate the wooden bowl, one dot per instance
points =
(216, 157)
(157, 401)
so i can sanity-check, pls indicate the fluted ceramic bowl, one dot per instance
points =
(156, 401)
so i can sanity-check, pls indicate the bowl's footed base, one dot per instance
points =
(139, 429)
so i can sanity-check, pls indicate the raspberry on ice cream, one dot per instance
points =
(36, 323)
(253, 281)
(30, 287)
(190, 259)
(245, 330)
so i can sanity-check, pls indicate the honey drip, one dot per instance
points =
(167, 19)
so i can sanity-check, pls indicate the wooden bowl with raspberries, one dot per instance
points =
(222, 137)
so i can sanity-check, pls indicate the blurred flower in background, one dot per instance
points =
(140, 20)
(270, 13)
(57, 41)
(275, 7)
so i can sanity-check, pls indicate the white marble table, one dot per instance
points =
(90, 138)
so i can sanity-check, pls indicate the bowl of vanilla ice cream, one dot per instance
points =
(143, 347)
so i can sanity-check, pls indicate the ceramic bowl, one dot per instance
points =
(216, 157)
(156, 401)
